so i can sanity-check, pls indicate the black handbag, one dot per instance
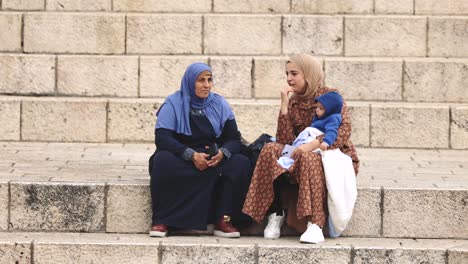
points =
(253, 150)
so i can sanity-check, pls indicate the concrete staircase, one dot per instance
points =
(80, 82)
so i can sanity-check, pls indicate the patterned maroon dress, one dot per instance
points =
(308, 201)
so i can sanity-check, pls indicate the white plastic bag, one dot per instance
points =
(342, 191)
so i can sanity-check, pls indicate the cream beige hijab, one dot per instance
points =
(313, 74)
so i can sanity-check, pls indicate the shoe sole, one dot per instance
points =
(157, 234)
(311, 242)
(271, 236)
(228, 235)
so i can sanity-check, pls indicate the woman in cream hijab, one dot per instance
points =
(270, 192)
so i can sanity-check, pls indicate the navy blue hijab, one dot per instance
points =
(174, 112)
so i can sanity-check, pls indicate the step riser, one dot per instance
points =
(380, 79)
(119, 33)
(124, 208)
(397, 125)
(43, 252)
(253, 6)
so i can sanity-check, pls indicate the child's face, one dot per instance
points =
(319, 111)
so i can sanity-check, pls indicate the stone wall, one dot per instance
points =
(95, 71)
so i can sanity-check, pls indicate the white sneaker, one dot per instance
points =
(273, 228)
(313, 234)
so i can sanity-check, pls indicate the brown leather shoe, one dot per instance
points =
(158, 230)
(224, 228)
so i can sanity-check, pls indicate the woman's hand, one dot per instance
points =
(305, 148)
(285, 91)
(216, 159)
(200, 160)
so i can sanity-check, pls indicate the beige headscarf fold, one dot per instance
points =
(313, 74)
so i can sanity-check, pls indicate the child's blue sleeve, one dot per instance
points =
(331, 129)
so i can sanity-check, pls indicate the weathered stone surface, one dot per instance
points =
(366, 220)
(436, 80)
(409, 125)
(132, 121)
(248, 121)
(128, 208)
(394, 6)
(196, 6)
(98, 76)
(331, 7)
(14, 252)
(57, 207)
(396, 36)
(458, 255)
(398, 256)
(365, 79)
(74, 33)
(269, 77)
(319, 35)
(23, 4)
(68, 162)
(251, 6)
(233, 76)
(160, 76)
(10, 23)
(425, 213)
(82, 5)
(4, 202)
(459, 127)
(303, 254)
(96, 253)
(437, 7)
(193, 253)
(360, 123)
(10, 120)
(69, 121)
(164, 34)
(447, 36)
(27, 74)
(242, 34)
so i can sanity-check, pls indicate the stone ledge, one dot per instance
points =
(375, 124)
(141, 249)
(115, 175)
(260, 77)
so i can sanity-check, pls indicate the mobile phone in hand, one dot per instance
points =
(212, 150)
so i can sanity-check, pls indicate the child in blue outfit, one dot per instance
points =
(328, 117)
(327, 120)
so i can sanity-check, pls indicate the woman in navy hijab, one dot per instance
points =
(190, 188)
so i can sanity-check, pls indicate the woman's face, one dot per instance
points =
(295, 77)
(203, 84)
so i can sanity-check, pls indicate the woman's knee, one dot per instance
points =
(163, 158)
(309, 166)
(237, 167)
(311, 158)
(272, 147)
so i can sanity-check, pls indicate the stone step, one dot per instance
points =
(224, 34)
(259, 77)
(418, 7)
(127, 248)
(76, 187)
(79, 119)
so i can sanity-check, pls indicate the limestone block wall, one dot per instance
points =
(96, 71)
